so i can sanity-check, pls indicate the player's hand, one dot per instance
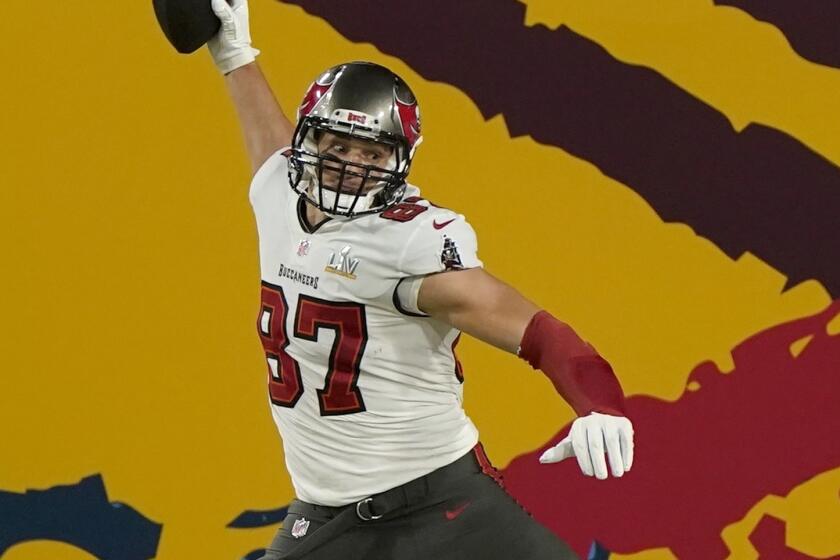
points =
(589, 437)
(231, 47)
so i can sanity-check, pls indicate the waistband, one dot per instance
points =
(380, 505)
(414, 491)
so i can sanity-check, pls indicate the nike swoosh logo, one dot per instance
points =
(453, 513)
(443, 225)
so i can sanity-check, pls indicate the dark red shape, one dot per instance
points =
(287, 388)
(703, 461)
(403, 212)
(768, 538)
(340, 394)
(810, 25)
(759, 190)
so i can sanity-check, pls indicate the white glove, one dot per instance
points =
(586, 441)
(231, 47)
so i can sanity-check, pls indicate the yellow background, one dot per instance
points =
(130, 278)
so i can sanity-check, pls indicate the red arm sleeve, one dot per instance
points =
(583, 378)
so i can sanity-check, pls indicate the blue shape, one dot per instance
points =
(254, 518)
(79, 515)
(254, 554)
(598, 552)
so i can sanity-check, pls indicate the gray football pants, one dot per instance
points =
(469, 517)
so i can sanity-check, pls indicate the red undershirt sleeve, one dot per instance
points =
(582, 377)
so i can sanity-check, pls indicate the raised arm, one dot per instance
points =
(264, 126)
(490, 310)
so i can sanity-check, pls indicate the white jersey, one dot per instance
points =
(366, 394)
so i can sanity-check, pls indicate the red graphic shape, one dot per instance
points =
(347, 319)
(453, 513)
(313, 95)
(287, 387)
(704, 460)
(410, 120)
(404, 211)
(340, 394)
(442, 225)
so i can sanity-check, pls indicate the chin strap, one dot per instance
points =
(583, 378)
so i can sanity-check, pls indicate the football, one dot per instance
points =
(188, 24)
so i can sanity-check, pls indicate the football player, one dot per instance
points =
(366, 287)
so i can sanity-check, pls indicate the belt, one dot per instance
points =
(379, 505)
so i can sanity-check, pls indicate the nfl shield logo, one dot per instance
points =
(300, 527)
(303, 247)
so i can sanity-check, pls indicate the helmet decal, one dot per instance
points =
(316, 91)
(410, 119)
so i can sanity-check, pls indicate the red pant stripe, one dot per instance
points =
(486, 466)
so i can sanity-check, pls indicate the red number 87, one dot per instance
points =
(340, 394)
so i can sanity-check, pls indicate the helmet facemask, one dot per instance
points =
(365, 102)
(342, 188)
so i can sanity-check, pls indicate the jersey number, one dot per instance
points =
(405, 211)
(340, 394)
